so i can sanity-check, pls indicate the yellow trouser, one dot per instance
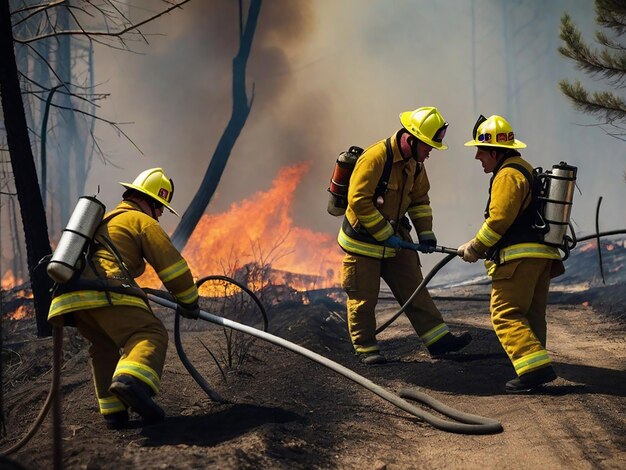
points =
(402, 273)
(124, 340)
(519, 296)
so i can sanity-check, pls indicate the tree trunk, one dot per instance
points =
(241, 109)
(25, 173)
(66, 122)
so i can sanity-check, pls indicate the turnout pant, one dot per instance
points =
(519, 297)
(402, 273)
(124, 340)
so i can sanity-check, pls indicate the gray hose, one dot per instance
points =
(57, 353)
(204, 385)
(469, 424)
(422, 284)
(608, 233)
(452, 254)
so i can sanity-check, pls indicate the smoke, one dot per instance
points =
(177, 93)
(326, 75)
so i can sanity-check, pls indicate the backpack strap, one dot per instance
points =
(527, 175)
(522, 169)
(114, 214)
(524, 228)
(110, 246)
(524, 172)
(381, 189)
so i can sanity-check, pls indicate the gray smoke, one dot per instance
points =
(330, 74)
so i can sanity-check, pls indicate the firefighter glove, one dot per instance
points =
(428, 241)
(394, 241)
(468, 253)
(191, 311)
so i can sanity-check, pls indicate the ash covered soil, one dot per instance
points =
(289, 412)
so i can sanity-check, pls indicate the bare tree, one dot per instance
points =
(25, 174)
(118, 32)
(239, 115)
(608, 63)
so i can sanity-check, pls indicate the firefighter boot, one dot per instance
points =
(372, 358)
(117, 420)
(531, 381)
(449, 343)
(137, 395)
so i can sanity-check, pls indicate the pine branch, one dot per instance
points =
(602, 104)
(605, 41)
(604, 63)
(611, 14)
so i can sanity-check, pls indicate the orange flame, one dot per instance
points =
(260, 230)
(588, 246)
(20, 313)
(9, 280)
(593, 244)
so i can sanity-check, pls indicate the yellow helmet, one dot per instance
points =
(156, 184)
(427, 124)
(494, 131)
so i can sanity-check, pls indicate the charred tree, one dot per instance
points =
(67, 133)
(25, 173)
(239, 115)
(32, 209)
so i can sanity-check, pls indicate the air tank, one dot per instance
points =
(79, 231)
(338, 189)
(557, 200)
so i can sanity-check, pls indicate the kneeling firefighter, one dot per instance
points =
(519, 262)
(388, 182)
(128, 342)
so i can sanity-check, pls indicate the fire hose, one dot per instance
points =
(466, 423)
(452, 253)
(57, 342)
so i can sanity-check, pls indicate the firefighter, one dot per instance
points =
(128, 342)
(520, 266)
(376, 225)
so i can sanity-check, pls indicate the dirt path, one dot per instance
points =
(292, 413)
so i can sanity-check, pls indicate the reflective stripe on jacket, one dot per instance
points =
(407, 193)
(508, 198)
(139, 239)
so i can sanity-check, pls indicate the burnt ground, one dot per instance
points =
(289, 412)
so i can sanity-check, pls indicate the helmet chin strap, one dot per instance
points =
(151, 205)
(411, 142)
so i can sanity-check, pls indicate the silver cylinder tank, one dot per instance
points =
(79, 231)
(558, 202)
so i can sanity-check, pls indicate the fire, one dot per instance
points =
(260, 230)
(9, 280)
(20, 313)
(591, 245)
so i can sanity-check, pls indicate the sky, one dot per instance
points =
(328, 74)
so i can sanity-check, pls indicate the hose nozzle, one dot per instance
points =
(424, 249)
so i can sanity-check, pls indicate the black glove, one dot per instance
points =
(428, 246)
(189, 311)
(428, 242)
